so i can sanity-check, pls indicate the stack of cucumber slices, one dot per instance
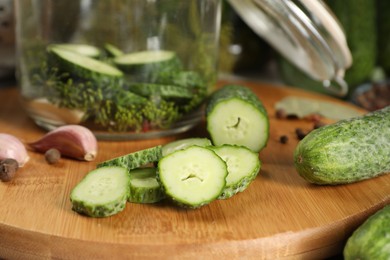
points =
(190, 172)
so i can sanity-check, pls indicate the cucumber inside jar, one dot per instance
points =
(123, 92)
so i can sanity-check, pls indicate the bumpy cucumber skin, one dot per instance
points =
(140, 195)
(56, 59)
(179, 201)
(347, 151)
(243, 183)
(371, 240)
(235, 91)
(231, 92)
(150, 194)
(184, 143)
(99, 211)
(136, 159)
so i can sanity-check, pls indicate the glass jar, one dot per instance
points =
(306, 33)
(7, 40)
(126, 69)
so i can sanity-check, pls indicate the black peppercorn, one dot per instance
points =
(8, 168)
(300, 133)
(283, 139)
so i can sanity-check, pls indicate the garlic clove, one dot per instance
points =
(12, 148)
(74, 141)
(43, 108)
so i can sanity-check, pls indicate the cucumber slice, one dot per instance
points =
(82, 49)
(243, 166)
(135, 160)
(83, 66)
(192, 177)
(102, 192)
(144, 187)
(184, 143)
(235, 115)
(165, 91)
(146, 65)
(144, 58)
(112, 50)
(187, 79)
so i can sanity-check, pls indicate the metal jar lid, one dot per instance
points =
(306, 33)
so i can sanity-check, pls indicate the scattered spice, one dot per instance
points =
(283, 139)
(300, 133)
(318, 124)
(52, 156)
(374, 96)
(8, 168)
(299, 107)
(281, 113)
(314, 117)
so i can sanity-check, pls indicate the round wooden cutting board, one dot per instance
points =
(279, 215)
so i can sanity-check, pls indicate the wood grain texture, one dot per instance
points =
(278, 216)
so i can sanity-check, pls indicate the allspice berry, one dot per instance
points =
(8, 168)
(52, 156)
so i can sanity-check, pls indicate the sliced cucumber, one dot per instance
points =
(165, 91)
(82, 49)
(83, 66)
(187, 79)
(112, 50)
(192, 177)
(137, 159)
(243, 166)
(144, 187)
(144, 58)
(235, 115)
(184, 143)
(146, 65)
(102, 192)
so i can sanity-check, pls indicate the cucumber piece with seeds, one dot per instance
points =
(102, 192)
(235, 115)
(136, 159)
(82, 66)
(243, 166)
(192, 177)
(184, 143)
(144, 187)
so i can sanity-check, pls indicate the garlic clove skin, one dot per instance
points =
(74, 141)
(12, 148)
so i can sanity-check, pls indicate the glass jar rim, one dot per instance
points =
(306, 33)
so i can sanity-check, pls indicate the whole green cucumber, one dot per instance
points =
(347, 151)
(371, 240)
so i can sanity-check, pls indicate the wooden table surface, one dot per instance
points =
(279, 215)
